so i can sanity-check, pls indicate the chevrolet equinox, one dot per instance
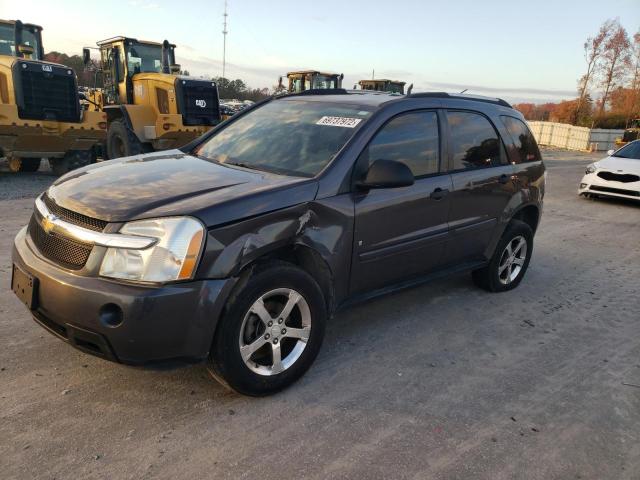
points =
(236, 248)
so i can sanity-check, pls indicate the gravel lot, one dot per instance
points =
(442, 381)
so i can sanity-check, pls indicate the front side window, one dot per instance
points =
(474, 141)
(290, 137)
(411, 138)
(144, 58)
(632, 150)
(523, 139)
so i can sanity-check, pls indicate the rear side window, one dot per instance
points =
(523, 139)
(411, 138)
(474, 141)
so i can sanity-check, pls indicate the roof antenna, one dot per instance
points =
(409, 89)
(464, 90)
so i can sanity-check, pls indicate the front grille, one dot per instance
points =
(63, 251)
(73, 217)
(46, 92)
(619, 191)
(619, 177)
(198, 102)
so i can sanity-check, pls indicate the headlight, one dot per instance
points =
(173, 257)
(591, 168)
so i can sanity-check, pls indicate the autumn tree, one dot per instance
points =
(615, 61)
(633, 102)
(593, 50)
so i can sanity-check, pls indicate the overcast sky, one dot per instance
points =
(520, 50)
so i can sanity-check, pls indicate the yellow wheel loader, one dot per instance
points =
(310, 80)
(383, 85)
(40, 113)
(630, 134)
(148, 105)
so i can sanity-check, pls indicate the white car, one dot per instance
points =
(617, 175)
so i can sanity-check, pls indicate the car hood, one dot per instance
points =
(626, 165)
(174, 183)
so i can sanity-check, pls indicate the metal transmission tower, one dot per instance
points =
(224, 40)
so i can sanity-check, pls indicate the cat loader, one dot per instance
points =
(40, 113)
(149, 106)
(310, 80)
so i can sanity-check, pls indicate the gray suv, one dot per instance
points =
(235, 249)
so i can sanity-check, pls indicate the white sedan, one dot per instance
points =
(617, 175)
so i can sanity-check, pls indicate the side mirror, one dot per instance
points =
(610, 152)
(174, 68)
(387, 174)
(86, 56)
(25, 49)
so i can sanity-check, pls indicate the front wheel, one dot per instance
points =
(271, 331)
(510, 259)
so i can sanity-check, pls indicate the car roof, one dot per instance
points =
(373, 98)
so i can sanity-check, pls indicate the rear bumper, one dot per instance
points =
(26, 138)
(592, 184)
(159, 324)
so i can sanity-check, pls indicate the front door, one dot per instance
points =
(483, 183)
(402, 232)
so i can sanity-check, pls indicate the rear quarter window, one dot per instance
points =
(526, 146)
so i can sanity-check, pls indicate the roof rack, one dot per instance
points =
(461, 96)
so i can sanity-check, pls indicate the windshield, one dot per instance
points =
(8, 41)
(144, 58)
(395, 88)
(631, 150)
(290, 137)
(324, 82)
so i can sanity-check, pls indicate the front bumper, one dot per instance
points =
(174, 322)
(591, 183)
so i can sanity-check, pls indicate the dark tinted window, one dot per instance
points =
(631, 150)
(412, 139)
(523, 139)
(474, 142)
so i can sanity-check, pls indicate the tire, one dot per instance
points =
(71, 160)
(505, 272)
(122, 142)
(260, 375)
(24, 165)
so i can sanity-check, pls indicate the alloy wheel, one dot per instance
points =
(275, 331)
(512, 260)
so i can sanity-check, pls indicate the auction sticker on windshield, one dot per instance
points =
(345, 122)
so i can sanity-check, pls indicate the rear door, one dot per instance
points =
(525, 154)
(401, 232)
(483, 183)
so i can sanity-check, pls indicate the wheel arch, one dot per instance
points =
(529, 214)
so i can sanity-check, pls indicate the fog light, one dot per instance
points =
(583, 185)
(110, 315)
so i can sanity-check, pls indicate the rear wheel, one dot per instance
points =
(28, 164)
(71, 160)
(122, 142)
(271, 331)
(510, 259)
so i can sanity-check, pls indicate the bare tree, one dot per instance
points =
(634, 104)
(615, 62)
(593, 49)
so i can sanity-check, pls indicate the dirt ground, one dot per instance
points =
(444, 381)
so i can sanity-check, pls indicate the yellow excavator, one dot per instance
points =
(310, 80)
(383, 85)
(149, 106)
(631, 133)
(40, 113)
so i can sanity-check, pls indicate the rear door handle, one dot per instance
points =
(439, 193)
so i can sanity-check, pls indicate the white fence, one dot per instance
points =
(567, 136)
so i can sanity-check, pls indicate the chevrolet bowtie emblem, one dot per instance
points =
(47, 223)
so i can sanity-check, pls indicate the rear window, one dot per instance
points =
(523, 139)
(291, 137)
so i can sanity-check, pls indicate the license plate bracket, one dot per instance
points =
(25, 287)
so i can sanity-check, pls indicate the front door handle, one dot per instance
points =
(439, 193)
